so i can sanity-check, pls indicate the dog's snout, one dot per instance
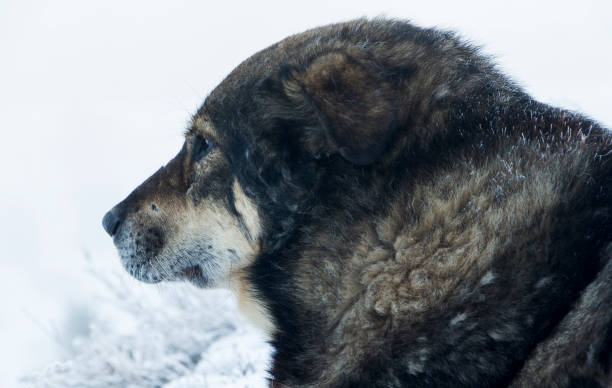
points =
(111, 222)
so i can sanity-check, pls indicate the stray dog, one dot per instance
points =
(394, 212)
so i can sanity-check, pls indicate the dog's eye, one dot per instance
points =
(201, 147)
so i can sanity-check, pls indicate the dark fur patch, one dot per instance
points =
(350, 100)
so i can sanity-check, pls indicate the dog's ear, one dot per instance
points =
(351, 102)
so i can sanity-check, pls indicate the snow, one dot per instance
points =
(166, 336)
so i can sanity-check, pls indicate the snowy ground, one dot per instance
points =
(168, 336)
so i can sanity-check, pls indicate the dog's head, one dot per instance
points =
(280, 136)
(190, 220)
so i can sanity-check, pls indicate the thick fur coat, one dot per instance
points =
(394, 212)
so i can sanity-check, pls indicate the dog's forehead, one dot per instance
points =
(232, 101)
(295, 50)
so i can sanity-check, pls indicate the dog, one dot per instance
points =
(392, 211)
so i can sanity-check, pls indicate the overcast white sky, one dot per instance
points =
(94, 96)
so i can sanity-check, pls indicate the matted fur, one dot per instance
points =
(393, 212)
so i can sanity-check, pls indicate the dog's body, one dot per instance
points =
(394, 212)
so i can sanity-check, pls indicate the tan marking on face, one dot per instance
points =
(247, 210)
(204, 233)
(208, 236)
(204, 126)
(248, 303)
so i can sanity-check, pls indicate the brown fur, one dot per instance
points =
(393, 212)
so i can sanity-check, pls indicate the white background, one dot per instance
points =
(94, 96)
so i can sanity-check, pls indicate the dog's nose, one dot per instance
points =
(111, 222)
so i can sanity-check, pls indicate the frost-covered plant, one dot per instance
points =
(164, 336)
